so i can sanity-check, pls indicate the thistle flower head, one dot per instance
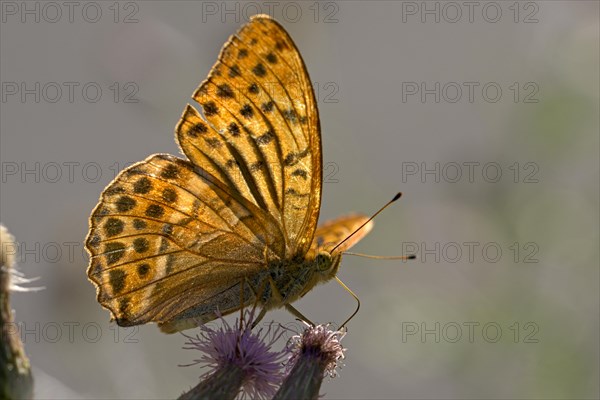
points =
(15, 372)
(319, 342)
(237, 346)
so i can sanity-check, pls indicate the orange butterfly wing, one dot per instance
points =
(167, 236)
(266, 139)
(332, 232)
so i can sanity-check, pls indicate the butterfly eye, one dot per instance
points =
(323, 262)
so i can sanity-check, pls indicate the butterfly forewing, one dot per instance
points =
(263, 133)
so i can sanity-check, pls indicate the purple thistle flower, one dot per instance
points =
(321, 342)
(238, 359)
(315, 354)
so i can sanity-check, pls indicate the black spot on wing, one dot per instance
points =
(197, 130)
(234, 71)
(113, 227)
(290, 159)
(272, 58)
(294, 192)
(247, 111)
(154, 211)
(170, 172)
(279, 45)
(125, 203)
(169, 195)
(141, 245)
(142, 186)
(116, 279)
(300, 172)
(111, 191)
(124, 304)
(213, 143)
(253, 88)
(265, 138)
(142, 270)
(139, 224)
(291, 115)
(114, 251)
(210, 108)
(233, 129)
(256, 166)
(267, 107)
(164, 245)
(94, 241)
(224, 91)
(259, 70)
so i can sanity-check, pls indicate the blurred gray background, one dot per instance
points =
(503, 300)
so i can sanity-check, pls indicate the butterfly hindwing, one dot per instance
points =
(225, 301)
(167, 236)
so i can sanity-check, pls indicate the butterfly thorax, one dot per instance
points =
(286, 281)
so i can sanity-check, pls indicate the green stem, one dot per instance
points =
(304, 380)
(224, 384)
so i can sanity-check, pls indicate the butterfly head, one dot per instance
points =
(328, 263)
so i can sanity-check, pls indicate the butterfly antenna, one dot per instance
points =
(396, 197)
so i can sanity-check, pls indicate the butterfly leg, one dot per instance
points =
(259, 317)
(242, 301)
(355, 297)
(288, 306)
(257, 295)
(298, 314)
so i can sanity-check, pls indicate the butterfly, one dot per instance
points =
(180, 241)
